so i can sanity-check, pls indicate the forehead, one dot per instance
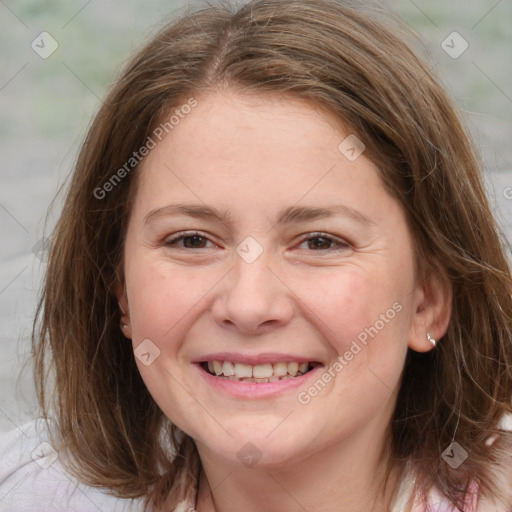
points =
(247, 130)
(255, 151)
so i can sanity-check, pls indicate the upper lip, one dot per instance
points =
(253, 360)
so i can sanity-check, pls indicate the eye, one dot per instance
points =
(315, 242)
(324, 242)
(191, 240)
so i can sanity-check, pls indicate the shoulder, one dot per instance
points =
(501, 475)
(32, 477)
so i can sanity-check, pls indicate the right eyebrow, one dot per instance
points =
(191, 210)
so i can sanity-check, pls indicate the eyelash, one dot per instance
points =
(342, 245)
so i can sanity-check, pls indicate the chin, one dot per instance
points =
(260, 449)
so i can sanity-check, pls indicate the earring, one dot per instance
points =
(432, 340)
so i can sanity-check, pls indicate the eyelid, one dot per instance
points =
(340, 242)
(185, 234)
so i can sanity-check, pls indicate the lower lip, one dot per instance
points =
(254, 390)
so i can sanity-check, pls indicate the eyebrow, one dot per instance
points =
(289, 215)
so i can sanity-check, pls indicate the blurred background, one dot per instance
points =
(58, 59)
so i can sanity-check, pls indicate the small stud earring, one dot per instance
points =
(432, 340)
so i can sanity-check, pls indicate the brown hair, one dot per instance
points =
(341, 58)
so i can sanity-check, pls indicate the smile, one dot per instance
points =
(260, 373)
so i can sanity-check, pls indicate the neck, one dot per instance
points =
(347, 478)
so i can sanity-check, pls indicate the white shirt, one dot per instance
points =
(32, 478)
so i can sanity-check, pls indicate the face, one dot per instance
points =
(256, 241)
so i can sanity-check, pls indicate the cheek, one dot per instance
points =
(349, 300)
(163, 297)
(164, 304)
(363, 316)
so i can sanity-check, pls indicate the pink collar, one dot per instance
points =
(438, 502)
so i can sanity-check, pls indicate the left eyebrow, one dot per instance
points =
(289, 215)
(294, 214)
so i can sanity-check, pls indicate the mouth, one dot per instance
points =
(260, 373)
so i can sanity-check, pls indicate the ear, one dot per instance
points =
(122, 300)
(432, 310)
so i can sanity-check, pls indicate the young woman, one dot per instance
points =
(276, 284)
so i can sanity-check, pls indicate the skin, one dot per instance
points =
(253, 156)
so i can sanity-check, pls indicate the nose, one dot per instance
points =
(253, 298)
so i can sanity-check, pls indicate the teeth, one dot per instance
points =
(228, 369)
(217, 367)
(280, 369)
(258, 373)
(293, 368)
(259, 381)
(243, 370)
(262, 371)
